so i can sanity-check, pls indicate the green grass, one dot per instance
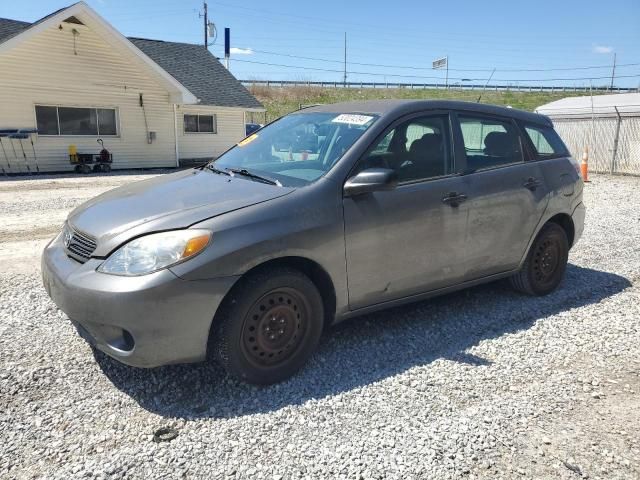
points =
(280, 101)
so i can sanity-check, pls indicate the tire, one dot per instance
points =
(268, 326)
(545, 264)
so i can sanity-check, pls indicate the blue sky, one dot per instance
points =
(403, 35)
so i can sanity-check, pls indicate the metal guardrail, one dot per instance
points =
(443, 86)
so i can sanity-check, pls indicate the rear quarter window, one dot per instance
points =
(545, 141)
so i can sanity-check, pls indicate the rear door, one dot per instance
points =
(507, 195)
(407, 241)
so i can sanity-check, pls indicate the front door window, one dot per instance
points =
(417, 149)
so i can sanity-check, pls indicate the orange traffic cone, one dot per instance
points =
(584, 166)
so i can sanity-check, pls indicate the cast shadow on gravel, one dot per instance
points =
(364, 350)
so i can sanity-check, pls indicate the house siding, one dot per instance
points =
(230, 130)
(44, 70)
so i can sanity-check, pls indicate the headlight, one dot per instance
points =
(156, 251)
(67, 235)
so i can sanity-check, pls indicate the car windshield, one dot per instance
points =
(296, 149)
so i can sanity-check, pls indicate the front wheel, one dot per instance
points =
(269, 326)
(546, 262)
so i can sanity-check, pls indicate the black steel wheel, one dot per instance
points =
(268, 326)
(546, 262)
(275, 326)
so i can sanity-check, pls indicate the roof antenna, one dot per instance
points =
(485, 85)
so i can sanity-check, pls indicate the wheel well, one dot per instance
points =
(315, 272)
(566, 222)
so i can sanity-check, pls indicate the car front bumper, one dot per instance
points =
(143, 321)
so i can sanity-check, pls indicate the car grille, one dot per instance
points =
(79, 246)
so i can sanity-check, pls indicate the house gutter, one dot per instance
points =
(175, 133)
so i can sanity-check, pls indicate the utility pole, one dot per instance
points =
(344, 79)
(206, 26)
(613, 71)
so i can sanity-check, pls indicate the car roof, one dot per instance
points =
(396, 108)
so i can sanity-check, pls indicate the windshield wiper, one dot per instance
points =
(246, 173)
(212, 167)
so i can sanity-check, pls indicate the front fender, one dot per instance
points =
(307, 224)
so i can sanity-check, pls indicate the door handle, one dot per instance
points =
(454, 199)
(532, 183)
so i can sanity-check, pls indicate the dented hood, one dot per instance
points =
(165, 202)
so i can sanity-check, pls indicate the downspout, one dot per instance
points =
(175, 133)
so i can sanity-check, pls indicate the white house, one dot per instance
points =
(75, 79)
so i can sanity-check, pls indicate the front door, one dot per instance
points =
(507, 195)
(411, 239)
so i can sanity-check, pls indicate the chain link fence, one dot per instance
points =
(613, 139)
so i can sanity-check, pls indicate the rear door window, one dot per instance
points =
(489, 143)
(545, 141)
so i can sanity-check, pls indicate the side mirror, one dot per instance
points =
(371, 180)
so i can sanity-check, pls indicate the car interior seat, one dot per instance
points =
(427, 157)
(502, 147)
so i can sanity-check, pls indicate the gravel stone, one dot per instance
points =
(483, 383)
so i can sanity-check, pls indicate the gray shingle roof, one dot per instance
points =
(199, 71)
(191, 65)
(10, 28)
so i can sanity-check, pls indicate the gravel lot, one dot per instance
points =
(483, 383)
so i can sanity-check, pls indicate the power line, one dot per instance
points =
(242, 11)
(466, 69)
(430, 77)
(511, 50)
(341, 24)
(301, 57)
(361, 26)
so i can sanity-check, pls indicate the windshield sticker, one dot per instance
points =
(248, 140)
(352, 119)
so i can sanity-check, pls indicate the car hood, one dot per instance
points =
(165, 202)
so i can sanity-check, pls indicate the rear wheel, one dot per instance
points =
(269, 326)
(546, 262)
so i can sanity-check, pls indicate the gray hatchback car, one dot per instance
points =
(327, 213)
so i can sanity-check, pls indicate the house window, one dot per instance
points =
(76, 121)
(200, 124)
